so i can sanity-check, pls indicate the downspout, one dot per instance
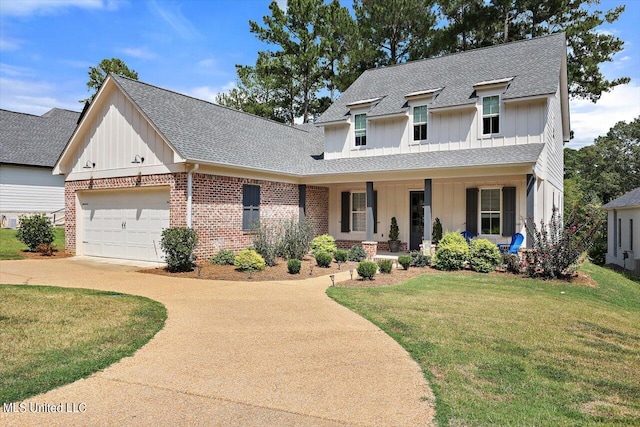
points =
(190, 192)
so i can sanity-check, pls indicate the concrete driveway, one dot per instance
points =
(235, 353)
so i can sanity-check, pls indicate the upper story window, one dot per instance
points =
(490, 115)
(420, 123)
(361, 129)
(490, 211)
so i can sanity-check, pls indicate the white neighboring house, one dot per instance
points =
(29, 148)
(623, 242)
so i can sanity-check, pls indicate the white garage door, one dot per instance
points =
(124, 224)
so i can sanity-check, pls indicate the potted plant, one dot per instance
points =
(394, 233)
(436, 234)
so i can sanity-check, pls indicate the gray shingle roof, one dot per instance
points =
(534, 65)
(631, 199)
(26, 139)
(202, 131)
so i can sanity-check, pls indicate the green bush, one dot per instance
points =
(405, 261)
(436, 234)
(367, 269)
(598, 251)
(178, 244)
(418, 259)
(296, 238)
(484, 256)
(512, 263)
(224, 257)
(294, 266)
(385, 266)
(267, 241)
(324, 243)
(323, 259)
(394, 230)
(357, 253)
(35, 230)
(249, 260)
(341, 255)
(452, 252)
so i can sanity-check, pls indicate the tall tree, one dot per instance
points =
(99, 73)
(470, 24)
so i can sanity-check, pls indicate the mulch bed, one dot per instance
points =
(38, 255)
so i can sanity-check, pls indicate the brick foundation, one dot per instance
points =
(216, 206)
(371, 249)
(382, 246)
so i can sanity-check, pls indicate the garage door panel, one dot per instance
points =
(125, 224)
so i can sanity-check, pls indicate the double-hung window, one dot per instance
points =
(420, 123)
(361, 129)
(490, 211)
(358, 212)
(490, 115)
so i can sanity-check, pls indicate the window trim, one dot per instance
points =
(425, 123)
(480, 211)
(352, 212)
(499, 115)
(355, 131)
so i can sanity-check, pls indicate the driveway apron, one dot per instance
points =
(235, 353)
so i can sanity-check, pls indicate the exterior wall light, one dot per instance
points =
(137, 159)
(89, 165)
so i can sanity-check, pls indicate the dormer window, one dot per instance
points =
(490, 115)
(361, 129)
(420, 123)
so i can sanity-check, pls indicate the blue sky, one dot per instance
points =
(192, 46)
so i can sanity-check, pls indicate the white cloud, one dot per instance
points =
(282, 4)
(175, 19)
(138, 52)
(588, 120)
(207, 63)
(15, 71)
(46, 7)
(209, 93)
(7, 43)
(36, 96)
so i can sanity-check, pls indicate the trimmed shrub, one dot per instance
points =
(249, 260)
(294, 266)
(357, 253)
(436, 234)
(405, 261)
(224, 257)
(394, 231)
(324, 243)
(484, 256)
(178, 244)
(341, 255)
(35, 230)
(418, 259)
(512, 263)
(385, 266)
(296, 238)
(367, 269)
(323, 259)
(452, 252)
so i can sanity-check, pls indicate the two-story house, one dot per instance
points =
(473, 138)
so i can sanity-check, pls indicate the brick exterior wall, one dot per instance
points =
(216, 206)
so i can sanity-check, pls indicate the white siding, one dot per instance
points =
(28, 189)
(520, 123)
(553, 142)
(118, 133)
(616, 249)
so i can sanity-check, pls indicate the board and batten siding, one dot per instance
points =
(448, 204)
(117, 135)
(521, 122)
(29, 189)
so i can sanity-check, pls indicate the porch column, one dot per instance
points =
(370, 218)
(427, 214)
(530, 219)
(302, 202)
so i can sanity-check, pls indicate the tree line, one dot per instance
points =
(318, 48)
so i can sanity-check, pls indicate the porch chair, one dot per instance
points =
(467, 235)
(512, 248)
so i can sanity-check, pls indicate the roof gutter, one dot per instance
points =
(190, 192)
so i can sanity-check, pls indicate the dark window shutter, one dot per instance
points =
(375, 212)
(250, 206)
(509, 211)
(345, 225)
(472, 210)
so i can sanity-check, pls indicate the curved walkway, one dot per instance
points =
(235, 353)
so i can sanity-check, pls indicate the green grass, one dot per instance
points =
(501, 350)
(11, 247)
(53, 336)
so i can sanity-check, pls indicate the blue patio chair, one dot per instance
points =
(467, 235)
(512, 248)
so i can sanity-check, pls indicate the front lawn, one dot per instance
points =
(53, 336)
(12, 248)
(501, 350)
